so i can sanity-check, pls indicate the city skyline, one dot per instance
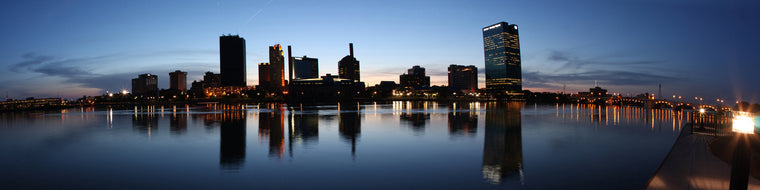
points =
(56, 50)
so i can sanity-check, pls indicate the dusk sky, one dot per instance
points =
(705, 48)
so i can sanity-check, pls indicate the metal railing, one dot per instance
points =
(711, 123)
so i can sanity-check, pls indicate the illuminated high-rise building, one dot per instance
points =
(501, 46)
(348, 67)
(232, 60)
(178, 80)
(277, 64)
(463, 77)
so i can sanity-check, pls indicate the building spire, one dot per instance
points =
(351, 49)
(290, 64)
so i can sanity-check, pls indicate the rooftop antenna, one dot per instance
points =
(564, 87)
(659, 93)
(596, 84)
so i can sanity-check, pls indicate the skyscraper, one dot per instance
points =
(277, 64)
(145, 85)
(178, 80)
(501, 46)
(232, 60)
(463, 77)
(348, 67)
(305, 67)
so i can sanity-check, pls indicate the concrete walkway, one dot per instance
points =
(690, 165)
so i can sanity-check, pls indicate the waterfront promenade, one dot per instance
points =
(691, 165)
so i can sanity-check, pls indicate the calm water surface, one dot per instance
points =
(420, 145)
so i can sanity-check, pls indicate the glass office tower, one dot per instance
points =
(501, 46)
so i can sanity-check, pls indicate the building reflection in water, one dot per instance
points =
(463, 119)
(232, 139)
(502, 151)
(349, 124)
(145, 121)
(178, 123)
(271, 128)
(303, 128)
(415, 113)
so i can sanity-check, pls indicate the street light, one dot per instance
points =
(743, 125)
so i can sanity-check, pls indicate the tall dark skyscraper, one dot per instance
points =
(232, 60)
(348, 67)
(145, 85)
(277, 64)
(463, 77)
(178, 80)
(305, 67)
(501, 45)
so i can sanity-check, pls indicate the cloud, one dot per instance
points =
(571, 61)
(30, 60)
(623, 78)
(87, 72)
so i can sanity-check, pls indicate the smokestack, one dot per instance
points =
(351, 49)
(290, 64)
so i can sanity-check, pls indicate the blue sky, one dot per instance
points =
(702, 48)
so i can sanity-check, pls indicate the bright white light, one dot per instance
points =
(743, 124)
(702, 110)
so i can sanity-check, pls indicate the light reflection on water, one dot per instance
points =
(402, 144)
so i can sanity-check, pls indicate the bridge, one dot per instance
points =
(650, 102)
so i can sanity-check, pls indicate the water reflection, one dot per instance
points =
(232, 136)
(178, 123)
(271, 128)
(416, 115)
(502, 151)
(655, 119)
(463, 121)
(303, 129)
(349, 124)
(145, 123)
(186, 144)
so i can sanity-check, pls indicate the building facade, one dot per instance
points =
(277, 66)
(305, 67)
(326, 89)
(501, 47)
(265, 78)
(463, 77)
(232, 60)
(415, 78)
(178, 80)
(145, 85)
(210, 80)
(348, 67)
